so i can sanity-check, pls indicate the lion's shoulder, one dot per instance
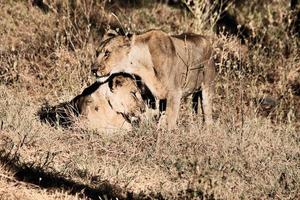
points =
(153, 35)
(193, 38)
(158, 42)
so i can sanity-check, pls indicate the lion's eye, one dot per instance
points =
(97, 53)
(89, 101)
(133, 93)
(106, 53)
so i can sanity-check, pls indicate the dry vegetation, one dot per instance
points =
(251, 152)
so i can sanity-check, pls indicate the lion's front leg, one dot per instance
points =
(208, 92)
(172, 109)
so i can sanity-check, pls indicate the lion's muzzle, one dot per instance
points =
(95, 69)
(100, 76)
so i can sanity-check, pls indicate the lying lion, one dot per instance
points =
(113, 105)
(172, 67)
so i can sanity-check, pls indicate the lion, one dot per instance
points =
(172, 67)
(109, 106)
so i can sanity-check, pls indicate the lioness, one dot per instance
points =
(108, 106)
(172, 67)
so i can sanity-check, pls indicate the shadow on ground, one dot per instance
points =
(34, 175)
(28, 173)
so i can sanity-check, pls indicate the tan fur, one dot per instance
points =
(108, 106)
(172, 67)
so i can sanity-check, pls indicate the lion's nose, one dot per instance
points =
(94, 69)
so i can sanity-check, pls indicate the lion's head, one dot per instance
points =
(125, 97)
(111, 57)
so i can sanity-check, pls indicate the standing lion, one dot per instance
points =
(172, 67)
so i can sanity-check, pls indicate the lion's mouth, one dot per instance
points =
(101, 78)
(132, 119)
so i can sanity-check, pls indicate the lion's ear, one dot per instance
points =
(128, 35)
(117, 81)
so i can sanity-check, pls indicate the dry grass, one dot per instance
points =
(251, 152)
